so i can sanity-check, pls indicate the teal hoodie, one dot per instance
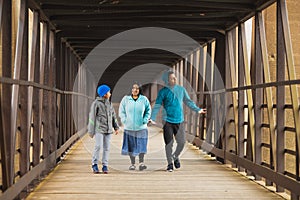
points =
(135, 114)
(172, 99)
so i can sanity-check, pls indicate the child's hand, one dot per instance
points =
(117, 132)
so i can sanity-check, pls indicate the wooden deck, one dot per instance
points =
(200, 177)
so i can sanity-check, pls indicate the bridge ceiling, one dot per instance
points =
(86, 23)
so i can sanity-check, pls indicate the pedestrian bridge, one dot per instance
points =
(239, 59)
(200, 176)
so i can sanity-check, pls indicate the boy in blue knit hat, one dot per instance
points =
(102, 123)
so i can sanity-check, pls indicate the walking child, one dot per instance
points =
(102, 123)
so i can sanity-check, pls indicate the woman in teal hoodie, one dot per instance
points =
(135, 111)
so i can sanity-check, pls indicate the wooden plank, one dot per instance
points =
(200, 177)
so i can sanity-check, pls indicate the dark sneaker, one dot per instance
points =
(142, 167)
(95, 168)
(132, 167)
(177, 163)
(170, 167)
(105, 169)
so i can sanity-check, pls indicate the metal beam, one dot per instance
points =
(291, 72)
(233, 78)
(248, 82)
(266, 72)
(280, 99)
(16, 75)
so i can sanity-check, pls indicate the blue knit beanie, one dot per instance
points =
(102, 90)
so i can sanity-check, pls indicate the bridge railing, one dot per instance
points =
(37, 121)
(261, 133)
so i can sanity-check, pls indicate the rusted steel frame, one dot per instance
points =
(232, 65)
(52, 96)
(220, 61)
(264, 85)
(251, 119)
(184, 82)
(76, 101)
(16, 75)
(208, 98)
(83, 86)
(252, 87)
(175, 69)
(195, 79)
(229, 128)
(179, 72)
(258, 69)
(59, 80)
(6, 154)
(185, 68)
(24, 160)
(201, 85)
(74, 72)
(196, 73)
(2, 140)
(266, 68)
(24, 181)
(63, 96)
(1, 11)
(241, 99)
(280, 99)
(217, 67)
(213, 96)
(291, 73)
(35, 67)
(193, 91)
(44, 73)
(278, 178)
(72, 69)
(67, 81)
(189, 89)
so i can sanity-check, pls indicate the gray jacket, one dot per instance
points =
(102, 117)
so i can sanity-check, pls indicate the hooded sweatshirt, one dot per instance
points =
(172, 99)
(135, 114)
(102, 117)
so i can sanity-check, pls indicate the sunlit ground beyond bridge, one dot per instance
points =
(200, 176)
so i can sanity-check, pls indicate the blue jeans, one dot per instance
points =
(102, 141)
